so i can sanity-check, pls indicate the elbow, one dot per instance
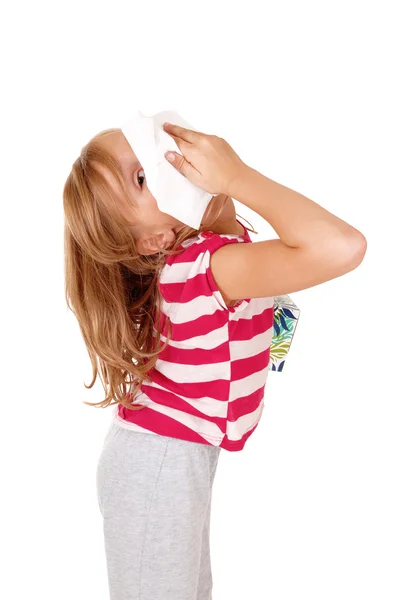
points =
(360, 248)
(351, 250)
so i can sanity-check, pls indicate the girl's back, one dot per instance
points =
(208, 384)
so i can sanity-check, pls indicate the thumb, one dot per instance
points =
(177, 161)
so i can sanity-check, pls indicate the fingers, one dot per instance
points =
(177, 161)
(176, 131)
(182, 145)
(180, 163)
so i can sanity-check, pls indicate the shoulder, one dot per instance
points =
(188, 275)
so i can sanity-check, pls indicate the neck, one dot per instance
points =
(226, 222)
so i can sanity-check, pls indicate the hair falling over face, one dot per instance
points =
(111, 289)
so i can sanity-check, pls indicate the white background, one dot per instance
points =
(304, 92)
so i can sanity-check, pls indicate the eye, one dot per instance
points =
(140, 177)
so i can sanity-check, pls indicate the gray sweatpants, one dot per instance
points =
(154, 493)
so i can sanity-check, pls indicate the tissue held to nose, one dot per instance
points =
(174, 193)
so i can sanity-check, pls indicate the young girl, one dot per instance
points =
(178, 324)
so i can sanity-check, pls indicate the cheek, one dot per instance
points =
(148, 202)
(149, 210)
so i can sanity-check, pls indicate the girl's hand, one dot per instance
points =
(208, 161)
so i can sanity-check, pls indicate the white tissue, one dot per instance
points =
(173, 192)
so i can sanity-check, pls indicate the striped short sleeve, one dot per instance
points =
(205, 284)
(187, 284)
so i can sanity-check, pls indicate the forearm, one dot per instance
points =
(298, 221)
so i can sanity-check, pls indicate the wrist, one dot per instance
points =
(239, 181)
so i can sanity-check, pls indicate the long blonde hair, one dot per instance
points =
(112, 289)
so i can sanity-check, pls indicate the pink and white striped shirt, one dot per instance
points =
(208, 383)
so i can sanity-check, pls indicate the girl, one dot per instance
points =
(178, 324)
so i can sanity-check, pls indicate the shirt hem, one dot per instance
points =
(231, 445)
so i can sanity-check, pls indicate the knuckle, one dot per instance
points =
(179, 163)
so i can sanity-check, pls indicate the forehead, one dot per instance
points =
(117, 145)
